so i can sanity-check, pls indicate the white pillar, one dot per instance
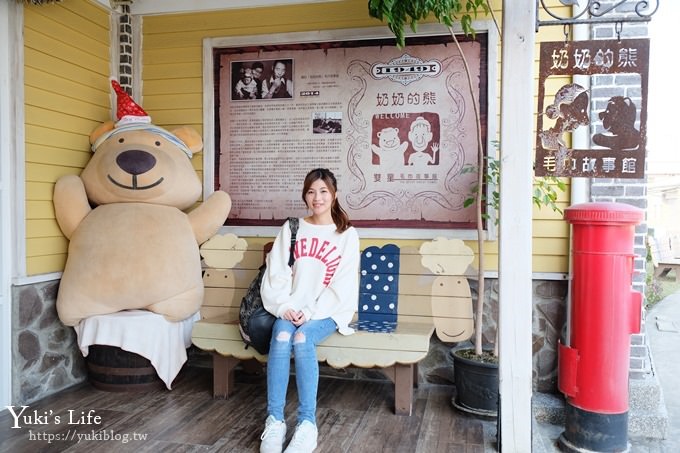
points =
(515, 290)
(10, 24)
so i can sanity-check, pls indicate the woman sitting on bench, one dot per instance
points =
(311, 300)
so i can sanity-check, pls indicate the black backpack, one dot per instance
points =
(255, 323)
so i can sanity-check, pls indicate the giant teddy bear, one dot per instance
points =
(132, 246)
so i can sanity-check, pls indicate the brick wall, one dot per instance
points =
(629, 191)
(125, 60)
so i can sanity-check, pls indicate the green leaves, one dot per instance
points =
(399, 13)
(545, 193)
(491, 178)
(545, 189)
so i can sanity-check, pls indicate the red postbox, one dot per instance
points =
(605, 311)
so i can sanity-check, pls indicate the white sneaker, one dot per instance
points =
(304, 439)
(273, 436)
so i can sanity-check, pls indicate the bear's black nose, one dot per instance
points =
(135, 161)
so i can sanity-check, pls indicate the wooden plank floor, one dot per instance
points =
(352, 416)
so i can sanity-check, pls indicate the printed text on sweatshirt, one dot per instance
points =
(321, 250)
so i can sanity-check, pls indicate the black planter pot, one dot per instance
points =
(476, 385)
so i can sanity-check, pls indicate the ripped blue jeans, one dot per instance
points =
(301, 342)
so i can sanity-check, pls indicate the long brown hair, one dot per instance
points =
(340, 217)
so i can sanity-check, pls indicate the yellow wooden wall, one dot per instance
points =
(66, 68)
(67, 93)
(172, 84)
(550, 242)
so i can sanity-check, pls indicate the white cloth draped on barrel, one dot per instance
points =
(162, 342)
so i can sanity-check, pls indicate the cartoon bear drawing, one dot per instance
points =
(391, 149)
(619, 119)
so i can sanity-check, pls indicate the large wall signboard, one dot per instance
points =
(618, 132)
(396, 126)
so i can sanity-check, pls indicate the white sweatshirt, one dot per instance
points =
(324, 281)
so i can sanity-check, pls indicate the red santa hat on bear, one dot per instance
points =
(128, 110)
(132, 117)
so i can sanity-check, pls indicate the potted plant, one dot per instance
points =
(475, 369)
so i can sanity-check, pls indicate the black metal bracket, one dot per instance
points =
(595, 12)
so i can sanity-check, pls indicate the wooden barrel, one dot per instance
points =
(115, 370)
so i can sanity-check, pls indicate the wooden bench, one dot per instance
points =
(397, 313)
(663, 257)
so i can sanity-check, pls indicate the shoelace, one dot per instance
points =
(269, 428)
